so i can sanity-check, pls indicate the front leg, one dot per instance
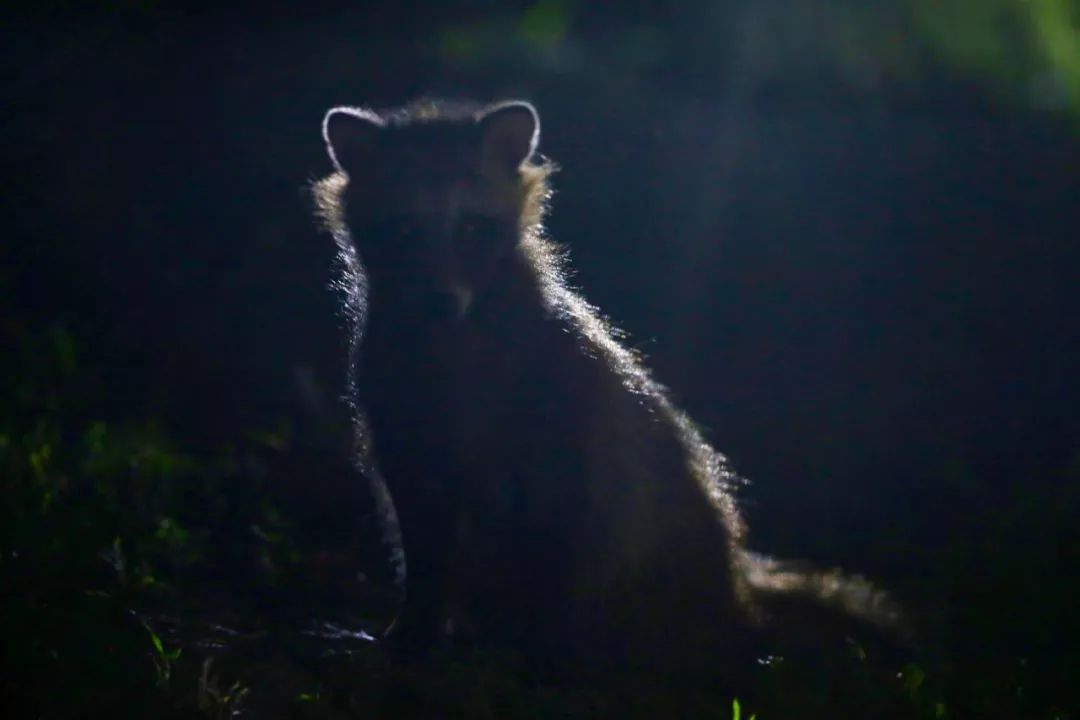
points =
(427, 522)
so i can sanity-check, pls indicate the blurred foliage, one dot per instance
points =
(1026, 49)
(117, 550)
(71, 498)
(1027, 52)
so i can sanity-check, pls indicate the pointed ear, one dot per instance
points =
(351, 135)
(510, 132)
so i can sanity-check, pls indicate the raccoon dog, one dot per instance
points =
(550, 497)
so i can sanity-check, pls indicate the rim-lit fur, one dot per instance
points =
(542, 383)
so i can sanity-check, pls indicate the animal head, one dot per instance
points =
(434, 196)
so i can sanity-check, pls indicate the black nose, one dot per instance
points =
(441, 306)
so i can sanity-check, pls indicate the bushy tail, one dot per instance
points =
(794, 594)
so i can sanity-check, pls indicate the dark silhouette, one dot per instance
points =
(550, 495)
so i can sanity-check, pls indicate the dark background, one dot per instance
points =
(846, 238)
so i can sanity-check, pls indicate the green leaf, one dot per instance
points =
(157, 642)
(914, 677)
